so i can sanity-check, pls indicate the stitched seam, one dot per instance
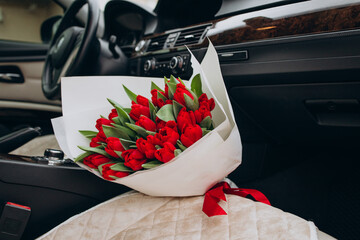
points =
(83, 230)
(287, 224)
(256, 222)
(201, 224)
(176, 219)
(85, 212)
(53, 237)
(108, 227)
(228, 215)
(138, 220)
(152, 223)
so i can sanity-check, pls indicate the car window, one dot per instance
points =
(21, 20)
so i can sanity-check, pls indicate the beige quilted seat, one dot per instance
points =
(137, 216)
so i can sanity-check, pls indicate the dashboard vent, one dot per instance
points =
(192, 35)
(157, 43)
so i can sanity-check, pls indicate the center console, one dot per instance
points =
(167, 64)
(53, 192)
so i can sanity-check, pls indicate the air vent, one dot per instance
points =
(157, 43)
(191, 35)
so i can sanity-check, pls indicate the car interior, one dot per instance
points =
(292, 72)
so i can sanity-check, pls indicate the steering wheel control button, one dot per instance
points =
(13, 221)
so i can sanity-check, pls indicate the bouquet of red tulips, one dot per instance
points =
(151, 132)
(171, 138)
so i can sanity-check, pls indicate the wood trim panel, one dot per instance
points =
(261, 28)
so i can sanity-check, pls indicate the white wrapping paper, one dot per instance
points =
(195, 170)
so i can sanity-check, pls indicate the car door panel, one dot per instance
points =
(30, 89)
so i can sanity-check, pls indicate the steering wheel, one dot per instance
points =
(69, 48)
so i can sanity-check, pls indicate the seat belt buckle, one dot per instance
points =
(13, 221)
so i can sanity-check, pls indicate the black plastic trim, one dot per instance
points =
(282, 40)
(11, 51)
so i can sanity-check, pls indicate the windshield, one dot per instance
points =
(149, 3)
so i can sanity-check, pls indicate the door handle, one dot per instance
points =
(11, 78)
(11, 74)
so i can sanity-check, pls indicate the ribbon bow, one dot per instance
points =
(217, 193)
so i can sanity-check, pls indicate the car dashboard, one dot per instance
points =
(155, 41)
(287, 43)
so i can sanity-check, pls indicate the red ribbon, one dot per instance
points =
(217, 193)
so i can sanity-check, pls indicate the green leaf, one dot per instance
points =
(152, 110)
(181, 81)
(180, 145)
(150, 133)
(196, 85)
(206, 122)
(190, 103)
(166, 113)
(115, 132)
(139, 130)
(196, 99)
(82, 156)
(177, 152)
(205, 131)
(154, 86)
(123, 115)
(152, 164)
(120, 167)
(119, 154)
(172, 89)
(127, 110)
(95, 150)
(100, 167)
(117, 120)
(173, 80)
(176, 108)
(126, 130)
(212, 125)
(159, 95)
(88, 134)
(130, 94)
(127, 143)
